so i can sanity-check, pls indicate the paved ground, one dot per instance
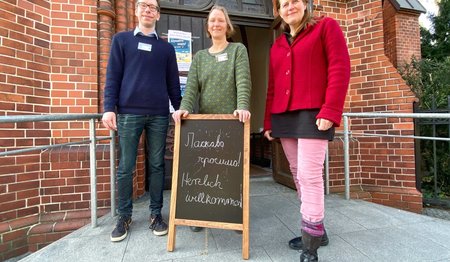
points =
(358, 231)
(437, 212)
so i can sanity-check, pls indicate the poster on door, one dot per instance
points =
(181, 41)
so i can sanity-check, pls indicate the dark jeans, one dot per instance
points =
(130, 128)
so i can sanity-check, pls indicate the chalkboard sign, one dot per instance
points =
(210, 178)
(210, 173)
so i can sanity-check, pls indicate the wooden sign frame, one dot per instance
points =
(244, 226)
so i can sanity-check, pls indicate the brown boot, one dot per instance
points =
(310, 246)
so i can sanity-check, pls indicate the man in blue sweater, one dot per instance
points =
(142, 75)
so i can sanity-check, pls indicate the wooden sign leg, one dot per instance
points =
(245, 244)
(171, 237)
(246, 200)
(173, 195)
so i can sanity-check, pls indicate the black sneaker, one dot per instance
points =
(196, 229)
(157, 225)
(121, 231)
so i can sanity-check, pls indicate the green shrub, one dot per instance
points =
(430, 80)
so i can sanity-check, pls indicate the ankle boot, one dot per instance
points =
(310, 246)
(296, 243)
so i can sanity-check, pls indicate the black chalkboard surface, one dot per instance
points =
(210, 171)
(210, 178)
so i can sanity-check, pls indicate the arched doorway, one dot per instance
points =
(252, 20)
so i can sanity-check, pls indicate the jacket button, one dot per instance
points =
(288, 54)
(287, 72)
(287, 92)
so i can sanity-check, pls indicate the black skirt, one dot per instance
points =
(299, 124)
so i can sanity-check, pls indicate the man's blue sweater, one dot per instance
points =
(142, 75)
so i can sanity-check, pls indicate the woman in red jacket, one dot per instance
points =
(309, 73)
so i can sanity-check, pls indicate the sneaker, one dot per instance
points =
(157, 225)
(121, 231)
(196, 229)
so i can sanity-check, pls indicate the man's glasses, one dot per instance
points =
(144, 6)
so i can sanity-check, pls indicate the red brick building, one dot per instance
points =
(53, 57)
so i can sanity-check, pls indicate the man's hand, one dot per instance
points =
(109, 121)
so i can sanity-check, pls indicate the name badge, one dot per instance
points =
(222, 57)
(145, 47)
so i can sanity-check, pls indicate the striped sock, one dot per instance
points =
(315, 229)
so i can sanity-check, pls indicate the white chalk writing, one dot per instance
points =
(219, 161)
(192, 143)
(187, 181)
(211, 200)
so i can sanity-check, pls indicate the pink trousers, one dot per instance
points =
(306, 158)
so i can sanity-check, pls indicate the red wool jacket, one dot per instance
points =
(311, 73)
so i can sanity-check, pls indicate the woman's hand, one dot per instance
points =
(244, 115)
(177, 115)
(268, 135)
(323, 124)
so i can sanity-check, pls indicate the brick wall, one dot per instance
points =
(48, 64)
(25, 89)
(73, 64)
(65, 183)
(381, 168)
(408, 34)
(390, 31)
(51, 63)
(402, 34)
(24, 63)
(54, 202)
